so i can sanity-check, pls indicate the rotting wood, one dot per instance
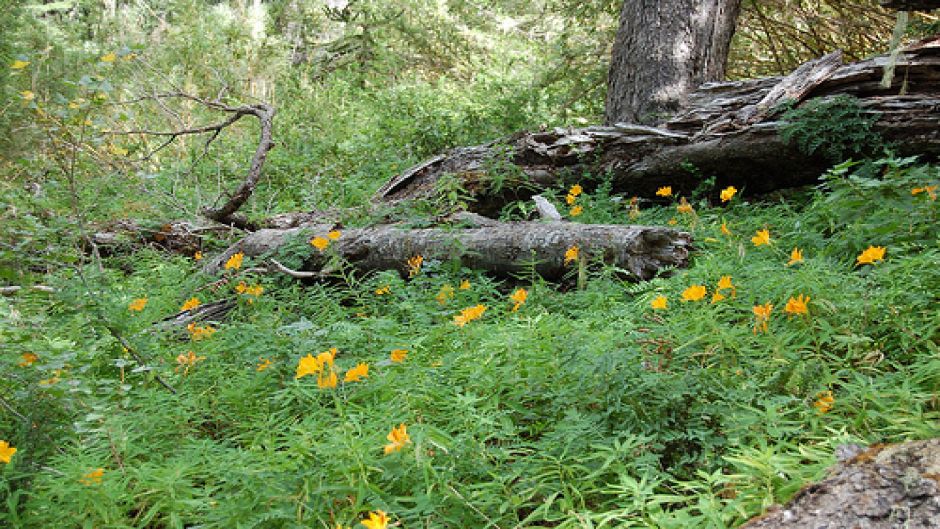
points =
(503, 248)
(727, 131)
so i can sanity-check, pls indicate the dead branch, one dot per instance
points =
(226, 213)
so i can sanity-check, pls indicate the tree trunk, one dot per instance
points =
(663, 51)
(729, 132)
(502, 248)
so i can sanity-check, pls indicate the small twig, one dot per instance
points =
(293, 273)
(11, 290)
(11, 409)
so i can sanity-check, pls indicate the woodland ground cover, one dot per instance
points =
(443, 397)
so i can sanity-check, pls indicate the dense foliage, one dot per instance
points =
(805, 320)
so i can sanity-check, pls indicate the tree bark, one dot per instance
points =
(728, 131)
(663, 51)
(502, 248)
(883, 487)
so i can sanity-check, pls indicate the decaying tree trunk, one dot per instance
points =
(502, 248)
(728, 131)
(883, 487)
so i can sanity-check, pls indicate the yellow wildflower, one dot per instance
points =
(571, 254)
(871, 255)
(694, 293)
(235, 262)
(27, 359)
(6, 452)
(19, 65)
(376, 520)
(761, 237)
(575, 190)
(570, 199)
(664, 191)
(190, 304)
(326, 381)
(333, 235)
(197, 256)
(249, 290)
(930, 190)
(469, 314)
(684, 206)
(383, 290)
(797, 305)
(464, 285)
(110, 57)
(263, 363)
(93, 477)
(27, 95)
(398, 437)
(824, 402)
(137, 305)
(762, 314)
(320, 243)
(308, 365)
(673, 221)
(355, 374)
(198, 333)
(414, 265)
(575, 211)
(796, 256)
(717, 296)
(634, 208)
(724, 229)
(187, 361)
(398, 355)
(659, 303)
(728, 193)
(519, 297)
(724, 283)
(447, 292)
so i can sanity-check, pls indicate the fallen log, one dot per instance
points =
(728, 131)
(882, 487)
(503, 248)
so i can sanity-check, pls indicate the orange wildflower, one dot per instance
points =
(93, 477)
(762, 313)
(414, 265)
(571, 254)
(797, 305)
(355, 374)
(665, 191)
(796, 256)
(469, 314)
(398, 355)
(824, 402)
(235, 262)
(518, 297)
(27, 359)
(190, 304)
(398, 437)
(728, 193)
(871, 255)
(6, 452)
(694, 293)
(320, 243)
(659, 303)
(761, 238)
(137, 305)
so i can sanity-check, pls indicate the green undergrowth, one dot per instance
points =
(586, 407)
